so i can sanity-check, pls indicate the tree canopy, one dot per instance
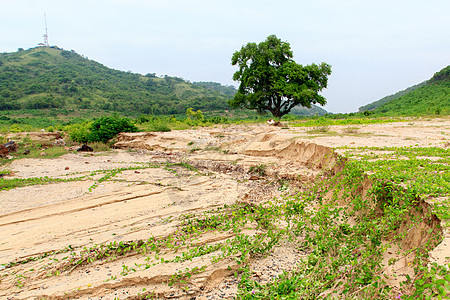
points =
(270, 80)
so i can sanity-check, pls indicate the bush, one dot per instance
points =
(159, 126)
(106, 128)
(79, 132)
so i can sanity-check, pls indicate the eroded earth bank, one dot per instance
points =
(233, 211)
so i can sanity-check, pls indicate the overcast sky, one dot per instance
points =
(376, 48)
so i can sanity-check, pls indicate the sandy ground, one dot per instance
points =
(149, 194)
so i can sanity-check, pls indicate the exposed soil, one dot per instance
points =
(148, 200)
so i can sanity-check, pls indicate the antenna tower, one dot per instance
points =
(46, 33)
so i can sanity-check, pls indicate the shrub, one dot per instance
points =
(79, 132)
(159, 126)
(107, 127)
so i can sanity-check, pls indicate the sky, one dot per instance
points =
(375, 48)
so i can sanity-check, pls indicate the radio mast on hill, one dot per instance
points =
(45, 44)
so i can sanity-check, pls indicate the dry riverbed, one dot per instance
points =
(138, 197)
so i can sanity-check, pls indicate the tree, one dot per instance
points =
(196, 115)
(270, 80)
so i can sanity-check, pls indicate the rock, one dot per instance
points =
(85, 148)
(4, 152)
(66, 168)
(59, 143)
(11, 145)
(272, 122)
(42, 154)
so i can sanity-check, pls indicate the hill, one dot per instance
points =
(429, 97)
(225, 89)
(304, 111)
(378, 103)
(432, 98)
(50, 77)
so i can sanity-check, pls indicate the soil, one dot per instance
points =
(139, 203)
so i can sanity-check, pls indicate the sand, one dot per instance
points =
(147, 199)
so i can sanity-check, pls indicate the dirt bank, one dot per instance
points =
(61, 240)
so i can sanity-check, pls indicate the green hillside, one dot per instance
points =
(45, 77)
(304, 111)
(378, 103)
(431, 98)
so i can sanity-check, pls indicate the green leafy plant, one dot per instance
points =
(106, 128)
(258, 169)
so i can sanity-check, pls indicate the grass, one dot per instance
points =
(351, 130)
(320, 129)
(343, 259)
(328, 241)
(344, 121)
(7, 184)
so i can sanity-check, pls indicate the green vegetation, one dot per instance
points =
(343, 119)
(314, 110)
(378, 103)
(340, 258)
(102, 129)
(429, 98)
(227, 90)
(270, 80)
(343, 222)
(7, 184)
(52, 78)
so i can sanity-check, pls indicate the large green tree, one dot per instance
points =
(270, 80)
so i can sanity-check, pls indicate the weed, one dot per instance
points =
(258, 169)
(319, 129)
(342, 259)
(350, 129)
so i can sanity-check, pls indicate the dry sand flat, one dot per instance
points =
(149, 195)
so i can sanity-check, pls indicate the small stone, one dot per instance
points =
(85, 148)
(42, 154)
(66, 168)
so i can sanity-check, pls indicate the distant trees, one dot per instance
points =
(29, 76)
(194, 115)
(226, 89)
(270, 80)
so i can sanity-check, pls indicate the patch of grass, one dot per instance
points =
(343, 120)
(258, 170)
(7, 184)
(101, 146)
(47, 153)
(319, 129)
(350, 129)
